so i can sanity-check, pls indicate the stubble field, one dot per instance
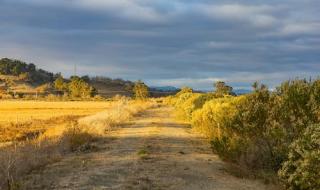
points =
(20, 120)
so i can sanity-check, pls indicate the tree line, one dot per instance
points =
(28, 72)
(80, 88)
(75, 86)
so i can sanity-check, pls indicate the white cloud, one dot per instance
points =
(130, 9)
(301, 28)
(218, 45)
(235, 11)
(124, 8)
(257, 15)
(180, 82)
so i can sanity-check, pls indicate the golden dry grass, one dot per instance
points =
(64, 134)
(122, 112)
(24, 111)
(20, 120)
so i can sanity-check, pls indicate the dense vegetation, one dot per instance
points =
(301, 170)
(22, 80)
(26, 71)
(76, 87)
(141, 90)
(259, 131)
(128, 85)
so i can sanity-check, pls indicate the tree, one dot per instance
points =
(141, 90)
(86, 78)
(59, 84)
(222, 89)
(31, 67)
(79, 88)
(17, 67)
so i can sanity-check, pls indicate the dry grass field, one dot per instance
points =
(24, 111)
(20, 120)
(31, 143)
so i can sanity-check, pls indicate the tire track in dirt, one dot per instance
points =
(154, 152)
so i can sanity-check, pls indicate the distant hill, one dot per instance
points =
(21, 78)
(25, 72)
(14, 85)
(162, 91)
(242, 91)
(18, 77)
(108, 87)
(164, 88)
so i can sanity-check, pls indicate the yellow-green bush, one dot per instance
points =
(187, 103)
(203, 98)
(257, 129)
(215, 115)
(215, 121)
(301, 170)
(170, 100)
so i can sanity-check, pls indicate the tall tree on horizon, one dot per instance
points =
(222, 89)
(141, 90)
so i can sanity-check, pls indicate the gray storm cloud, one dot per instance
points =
(167, 42)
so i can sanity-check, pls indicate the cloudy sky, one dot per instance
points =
(167, 42)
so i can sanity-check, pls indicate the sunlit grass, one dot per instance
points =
(24, 111)
(51, 139)
(21, 120)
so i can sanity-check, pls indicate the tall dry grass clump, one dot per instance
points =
(20, 158)
(121, 113)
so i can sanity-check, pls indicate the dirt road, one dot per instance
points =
(153, 152)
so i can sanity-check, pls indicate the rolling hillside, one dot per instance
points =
(18, 79)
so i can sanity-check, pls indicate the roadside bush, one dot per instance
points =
(77, 139)
(203, 98)
(255, 130)
(269, 122)
(184, 90)
(215, 121)
(185, 105)
(301, 170)
(170, 100)
(207, 120)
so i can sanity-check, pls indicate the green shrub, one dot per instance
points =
(215, 117)
(188, 102)
(185, 105)
(270, 121)
(255, 130)
(302, 169)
